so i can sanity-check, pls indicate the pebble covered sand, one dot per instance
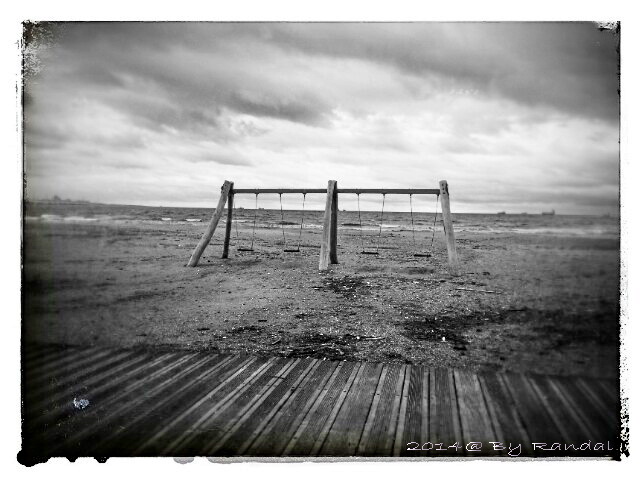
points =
(539, 301)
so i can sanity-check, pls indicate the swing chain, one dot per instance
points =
(381, 217)
(233, 215)
(413, 232)
(255, 215)
(433, 229)
(304, 198)
(360, 222)
(284, 238)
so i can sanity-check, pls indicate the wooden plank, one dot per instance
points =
(444, 418)
(607, 391)
(328, 227)
(36, 407)
(474, 416)
(222, 417)
(590, 414)
(379, 432)
(416, 418)
(571, 427)
(238, 407)
(55, 409)
(397, 444)
(192, 432)
(610, 388)
(63, 378)
(281, 429)
(227, 231)
(73, 424)
(593, 430)
(33, 358)
(328, 424)
(225, 380)
(399, 409)
(600, 396)
(208, 234)
(426, 400)
(32, 351)
(137, 424)
(283, 408)
(345, 433)
(312, 425)
(57, 421)
(34, 373)
(66, 362)
(535, 417)
(246, 427)
(448, 225)
(368, 426)
(86, 429)
(507, 424)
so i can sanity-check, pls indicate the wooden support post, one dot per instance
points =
(333, 243)
(227, 232)
(328, 247)
(448, 225)
(206, 237)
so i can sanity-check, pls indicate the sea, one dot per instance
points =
(604, 226)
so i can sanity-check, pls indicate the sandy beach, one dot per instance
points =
(522, 302)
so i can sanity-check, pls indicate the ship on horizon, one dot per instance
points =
(552, 212)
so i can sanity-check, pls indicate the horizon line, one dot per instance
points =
(84, 202)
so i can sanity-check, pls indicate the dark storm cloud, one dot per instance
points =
(304, 110)
(178, 63)
(571, 66)
(157, 113)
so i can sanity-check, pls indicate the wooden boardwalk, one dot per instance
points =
(102, 402)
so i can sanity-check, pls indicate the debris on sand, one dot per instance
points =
(476, 290)
(318, 345)
(346, 286)
(246, 328)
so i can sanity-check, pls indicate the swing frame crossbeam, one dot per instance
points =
(381, 191)
(328, 247)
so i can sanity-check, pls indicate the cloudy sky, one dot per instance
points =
(516, 116)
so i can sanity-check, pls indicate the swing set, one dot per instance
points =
(284, 237)
(328, 247)
(364, 251)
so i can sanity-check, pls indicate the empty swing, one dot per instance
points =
(413, 233)
(253, 230)
(377, 250)
(284, 237)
